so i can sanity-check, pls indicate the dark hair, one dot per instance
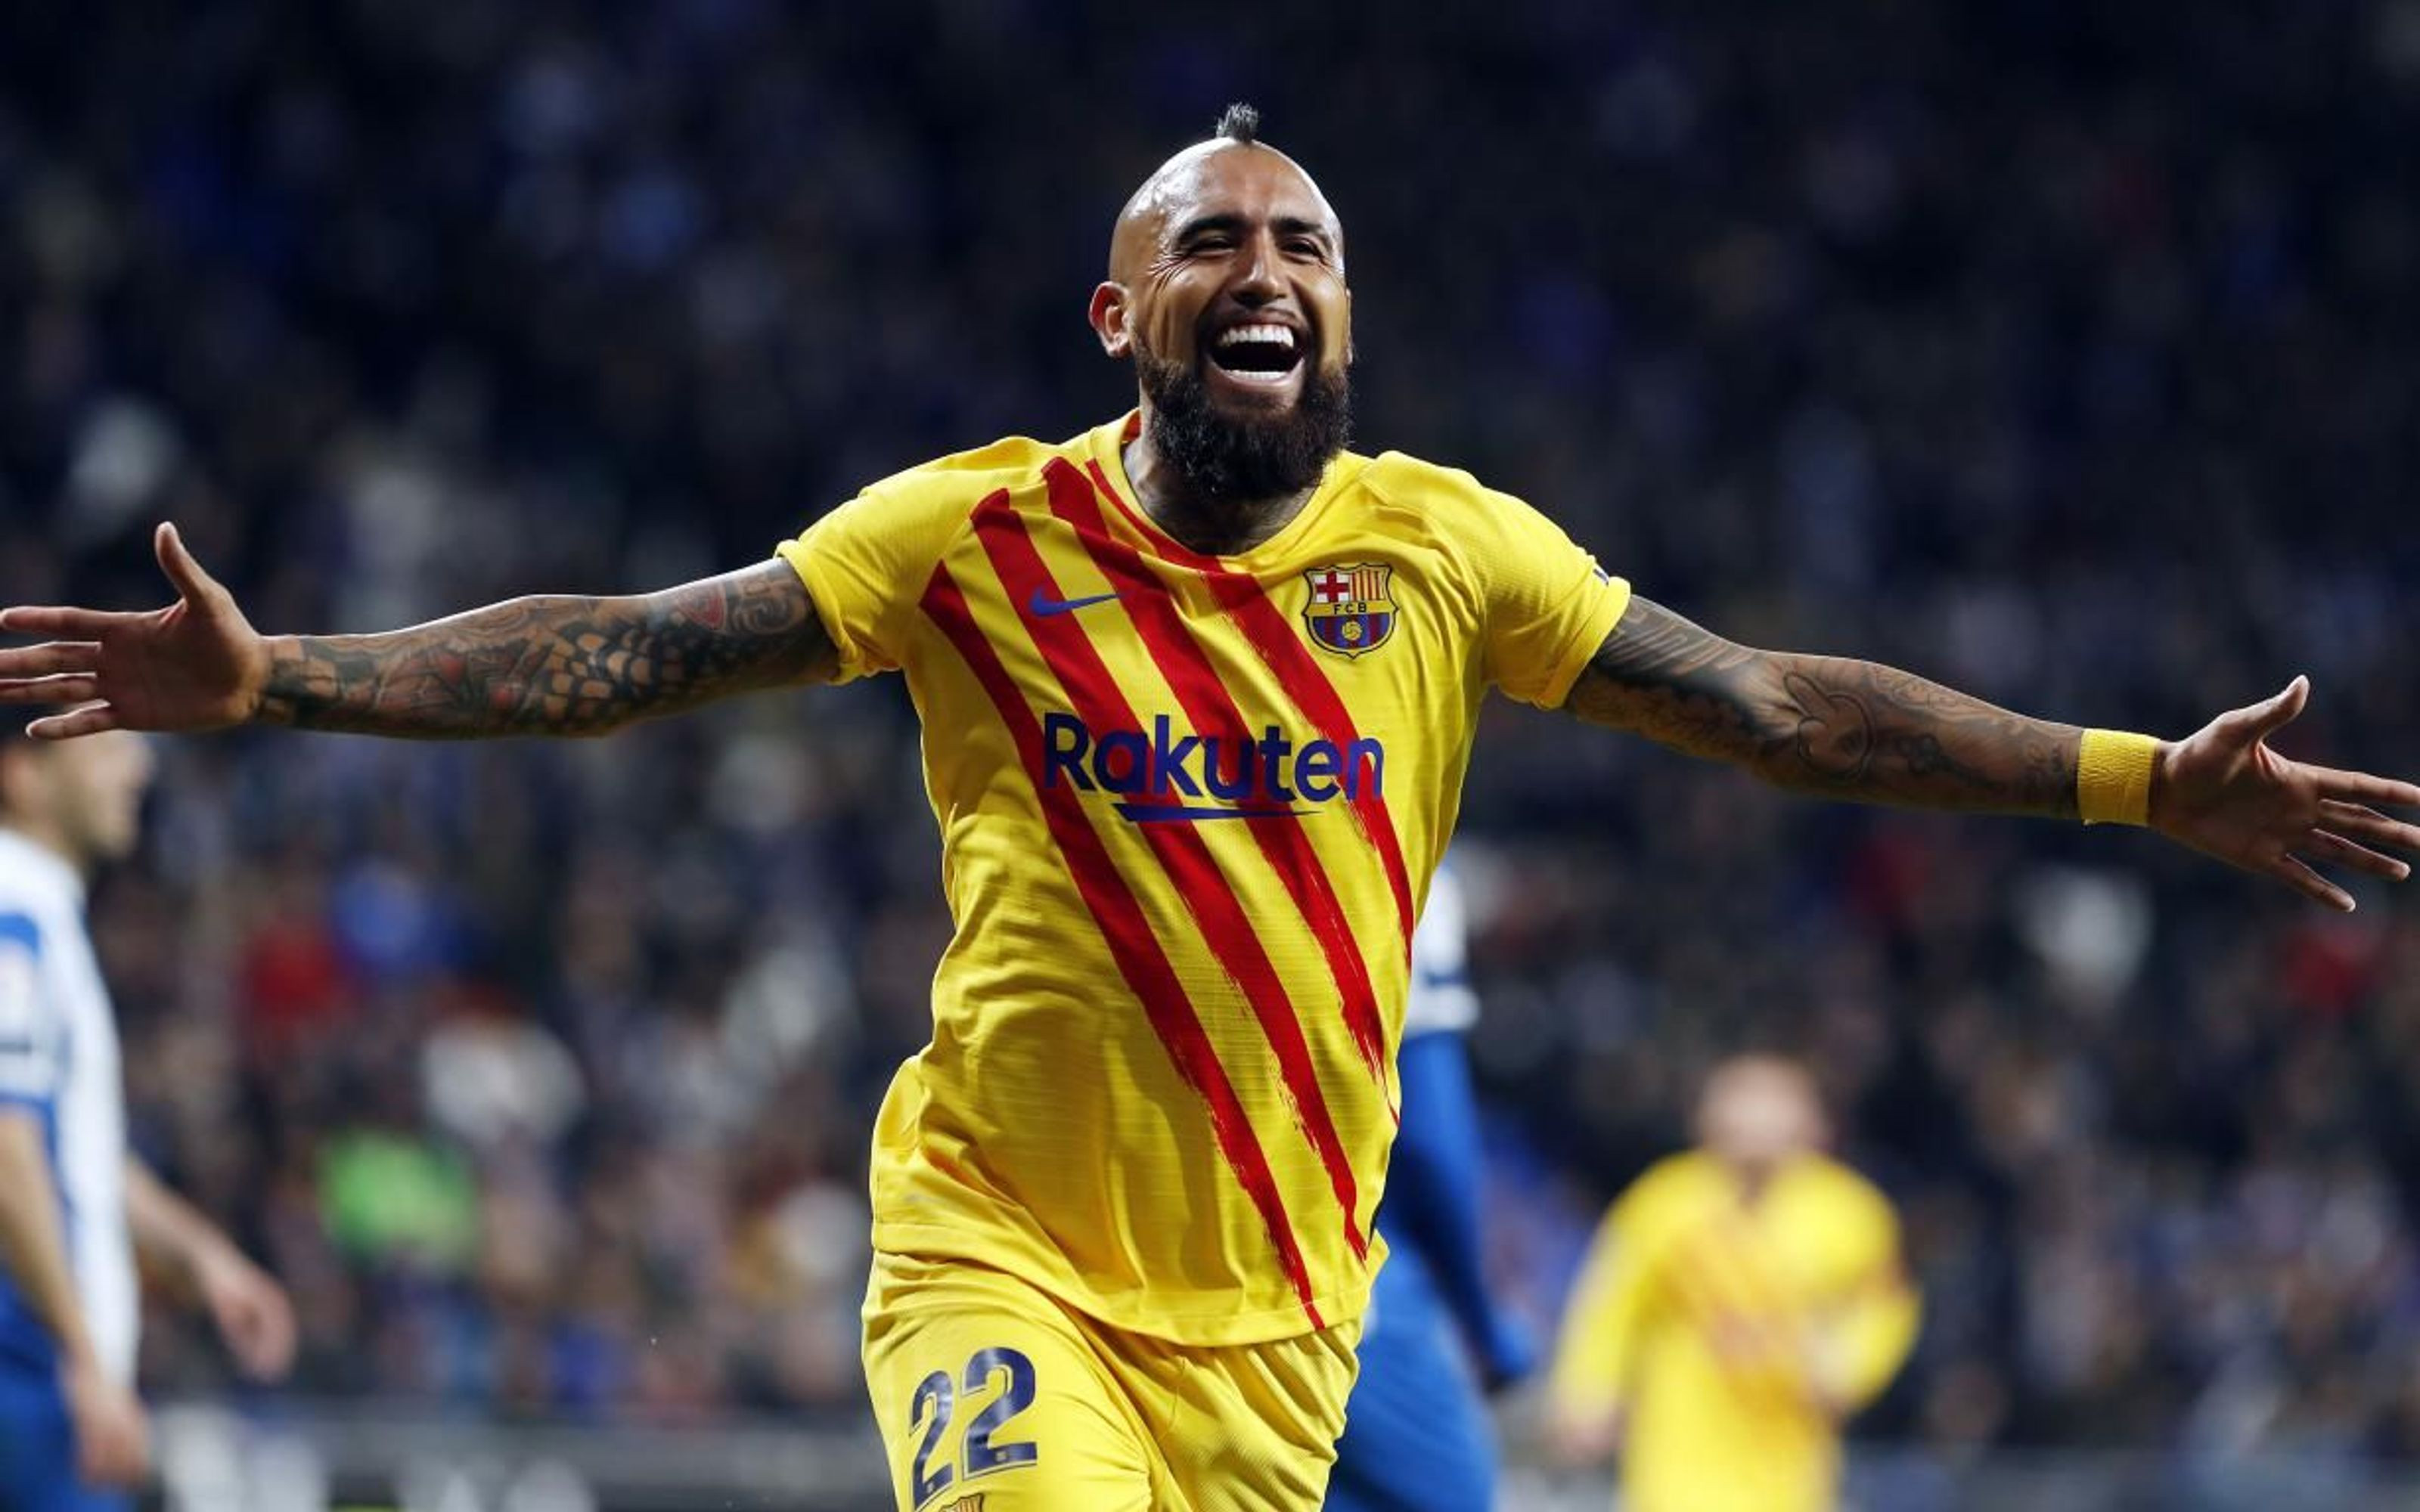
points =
(1240, 123)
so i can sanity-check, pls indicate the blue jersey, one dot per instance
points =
(59, 1063)
(37, 1450)
(1416, 1432)
(59, 1066)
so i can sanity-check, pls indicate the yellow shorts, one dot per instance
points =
(993, 1396)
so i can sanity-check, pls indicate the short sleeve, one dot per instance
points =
(29, 1047)
(1547, 603)
(866, 563)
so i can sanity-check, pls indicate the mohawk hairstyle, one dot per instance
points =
(1240, 123)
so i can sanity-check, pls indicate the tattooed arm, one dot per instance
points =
(552, 665)
(1859, 731)
(1823, 725)
(528, 666)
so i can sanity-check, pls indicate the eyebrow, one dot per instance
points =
(1285, 225)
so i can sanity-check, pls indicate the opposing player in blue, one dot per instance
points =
(1417, 1437)
(79, 1216)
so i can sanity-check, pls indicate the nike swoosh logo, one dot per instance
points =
(1042, 604)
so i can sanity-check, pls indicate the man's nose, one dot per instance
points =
(1256, 277)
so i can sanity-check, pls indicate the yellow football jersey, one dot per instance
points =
(1705, 1321)
(1188, 810)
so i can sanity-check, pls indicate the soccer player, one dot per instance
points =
(1200, 686)
(77, 1212)
(1415, 1432)
(1739, 1302)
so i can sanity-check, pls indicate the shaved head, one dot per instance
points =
(1226, 290)
(1177, 183)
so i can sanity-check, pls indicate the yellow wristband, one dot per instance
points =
(2113, 776)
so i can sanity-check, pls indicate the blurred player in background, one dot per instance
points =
(1739, 1302)
(1199, 689)
(78, 1213)
(1416, 1432)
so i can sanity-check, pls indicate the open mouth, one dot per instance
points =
(1261, 353)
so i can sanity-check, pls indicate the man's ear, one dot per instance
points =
(1109, 318)
(18, 756)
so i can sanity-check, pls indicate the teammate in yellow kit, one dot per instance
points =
(1739, 1302)
(1198, 690)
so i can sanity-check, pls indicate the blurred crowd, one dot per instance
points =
(2063, 352)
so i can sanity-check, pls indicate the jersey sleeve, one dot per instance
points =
(1876, 1322)
(866, 563)
(29, 1048)
(1547, 605)
(1598, 1348)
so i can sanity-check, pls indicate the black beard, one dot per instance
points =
(1225, 458)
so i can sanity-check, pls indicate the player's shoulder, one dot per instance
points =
(1843, 1187)
(970, 477)
(20, 928)
(1685, 1167)
(1674, 1182)
(1413, 483)
(34, 894)
(26, 920)
(1451, 508)
(908, 519)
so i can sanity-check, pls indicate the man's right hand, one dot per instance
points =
(113, 1436)
(196, 665)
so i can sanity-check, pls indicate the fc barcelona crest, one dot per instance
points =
(1352, 608)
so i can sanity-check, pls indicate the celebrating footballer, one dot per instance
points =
(1200, 686)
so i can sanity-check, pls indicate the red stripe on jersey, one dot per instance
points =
(1211, 708)
(1207, 895)
(1273, 636)
(1140, 959)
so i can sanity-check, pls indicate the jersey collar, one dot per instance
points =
(1105, 447)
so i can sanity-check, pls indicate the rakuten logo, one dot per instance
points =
(1156, 770)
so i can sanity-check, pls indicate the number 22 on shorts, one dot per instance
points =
(936, 1401)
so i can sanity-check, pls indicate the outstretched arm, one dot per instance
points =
(1874, 733)
(563, 666)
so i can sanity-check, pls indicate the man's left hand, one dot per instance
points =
(2225, 794)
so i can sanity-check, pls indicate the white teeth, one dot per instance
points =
(1274, 335)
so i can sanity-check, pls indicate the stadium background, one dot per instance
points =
(2062, 350)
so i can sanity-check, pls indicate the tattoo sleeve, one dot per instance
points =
(1824, 725)
(556, 666)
